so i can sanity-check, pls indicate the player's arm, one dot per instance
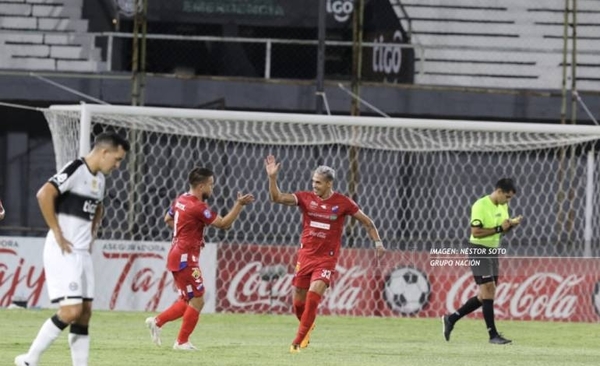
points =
(226, 221)
(2, 211)
(97, 220)
(369, 225)
(275, 194)
(477, 224)
(170, 218)
(46, 197)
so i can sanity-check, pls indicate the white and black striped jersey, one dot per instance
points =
(80, 192)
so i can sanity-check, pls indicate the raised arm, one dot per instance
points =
(368, 224)
(272, 168)
(46, 197)
(226, 221)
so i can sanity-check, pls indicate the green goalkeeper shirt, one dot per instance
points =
(487, 215)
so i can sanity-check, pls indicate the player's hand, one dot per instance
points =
(506, 225)
(271, 166)
(64, 244)
(516, 220)
(380, 251)
(244, 199)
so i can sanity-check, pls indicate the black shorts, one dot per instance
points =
(484, 265)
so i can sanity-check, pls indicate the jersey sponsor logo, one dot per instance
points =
(318, 234)
(90, 206)
(180, 206)
(320, 225)
(319, 215)
(207, 213)
(333, 217)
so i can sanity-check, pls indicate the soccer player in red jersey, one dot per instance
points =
(191, 215)
(323, 214)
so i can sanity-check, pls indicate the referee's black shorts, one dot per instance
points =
(484, 263)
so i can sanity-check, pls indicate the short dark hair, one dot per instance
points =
(506, 185)
(199, 175)
(112, 139)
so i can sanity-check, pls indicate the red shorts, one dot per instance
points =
(189, 282)
(309, 270)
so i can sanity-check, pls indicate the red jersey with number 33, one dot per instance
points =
(323, 223)
(190, 216)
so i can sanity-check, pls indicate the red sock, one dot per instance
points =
(299, 308)
(190, 319)
(174, 312)
(308, 317)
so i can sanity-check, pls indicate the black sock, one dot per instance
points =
(79, 329)
(488, 315)
(59, 324)
(468, 307)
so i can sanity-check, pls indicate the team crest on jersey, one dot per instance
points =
(335, 209)
(207, 213)
(196, 273)
(60, 178)
(94, 185)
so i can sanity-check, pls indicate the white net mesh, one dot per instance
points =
(417, 184)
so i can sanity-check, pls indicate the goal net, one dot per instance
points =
(416, 179)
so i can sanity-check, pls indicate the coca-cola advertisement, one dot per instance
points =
(255, 278)
(129, 275)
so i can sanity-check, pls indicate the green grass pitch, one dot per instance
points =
(121, 339)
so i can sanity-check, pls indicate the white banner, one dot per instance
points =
(129, 275)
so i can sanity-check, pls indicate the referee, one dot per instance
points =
(489, 221)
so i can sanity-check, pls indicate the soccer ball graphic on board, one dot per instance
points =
(407, 290)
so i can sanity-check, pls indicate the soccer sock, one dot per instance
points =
(488, 315)
(468, 307)
(308, 317)
(299, 308)
(79, 341)
(190, 319)
(48, 333)
(174, 312)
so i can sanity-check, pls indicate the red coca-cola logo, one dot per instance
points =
(546, 295)
(249, 291)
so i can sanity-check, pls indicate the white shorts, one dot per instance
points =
(69, 275)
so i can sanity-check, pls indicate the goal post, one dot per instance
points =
(416, 178)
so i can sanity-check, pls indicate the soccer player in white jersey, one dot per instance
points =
(71, 204)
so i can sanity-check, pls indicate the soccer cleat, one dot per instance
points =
(20, 361)
(447, 327)
(306, 339)
(187, 346)
(294, 348)
(499, 339)
(154, 330)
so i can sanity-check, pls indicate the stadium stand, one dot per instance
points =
(523, 42)
(46, 35)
